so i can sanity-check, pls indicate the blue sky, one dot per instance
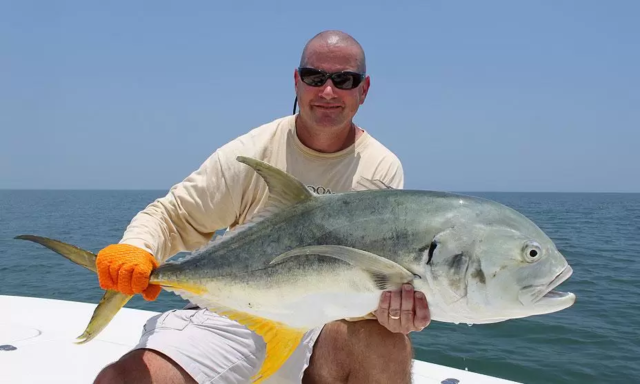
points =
(472, 96)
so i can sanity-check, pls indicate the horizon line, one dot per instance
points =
(166, 190)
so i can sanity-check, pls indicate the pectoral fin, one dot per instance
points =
(281, 340)
(385, 273)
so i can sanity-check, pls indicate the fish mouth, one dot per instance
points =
(545, 294)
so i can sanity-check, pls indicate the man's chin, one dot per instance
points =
(327, 120)
(330, 124)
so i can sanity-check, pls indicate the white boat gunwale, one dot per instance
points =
(37, 334)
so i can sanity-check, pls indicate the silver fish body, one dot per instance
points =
(453, 246)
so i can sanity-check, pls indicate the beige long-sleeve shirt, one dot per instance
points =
(224, 193)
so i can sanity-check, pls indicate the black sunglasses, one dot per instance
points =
(342, 80)
(316, 78)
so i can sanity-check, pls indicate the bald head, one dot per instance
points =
(331, 40)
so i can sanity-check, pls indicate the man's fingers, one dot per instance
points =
(394, 307)
(423, 316)
(152, 292)
(383, 308)
(125, 275)
(403, 311)
(406, 311)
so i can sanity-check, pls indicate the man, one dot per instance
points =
(323, 148)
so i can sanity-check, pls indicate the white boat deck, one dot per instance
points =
(36, 344)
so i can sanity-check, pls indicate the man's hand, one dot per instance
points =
(126, 269)
(403, 311)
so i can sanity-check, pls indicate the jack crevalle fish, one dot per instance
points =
(307, 260)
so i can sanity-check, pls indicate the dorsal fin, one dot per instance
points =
(284, 189)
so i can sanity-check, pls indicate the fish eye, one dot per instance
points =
(532, 251)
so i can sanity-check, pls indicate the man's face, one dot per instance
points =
(327, 106)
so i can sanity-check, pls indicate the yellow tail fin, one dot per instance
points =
(111, 301)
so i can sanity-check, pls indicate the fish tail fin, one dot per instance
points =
(71, 252)
(110, 304)
(111, 301)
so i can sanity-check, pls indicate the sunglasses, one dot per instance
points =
(342, 80)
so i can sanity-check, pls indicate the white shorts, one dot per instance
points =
(214, 349)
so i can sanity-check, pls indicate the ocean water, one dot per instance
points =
(595, 341)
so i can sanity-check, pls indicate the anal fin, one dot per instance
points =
(281, 340)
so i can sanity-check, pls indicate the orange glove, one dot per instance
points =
(125, 268)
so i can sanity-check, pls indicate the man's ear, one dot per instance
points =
(365, 89)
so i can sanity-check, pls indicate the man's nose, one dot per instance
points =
(327, 91)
